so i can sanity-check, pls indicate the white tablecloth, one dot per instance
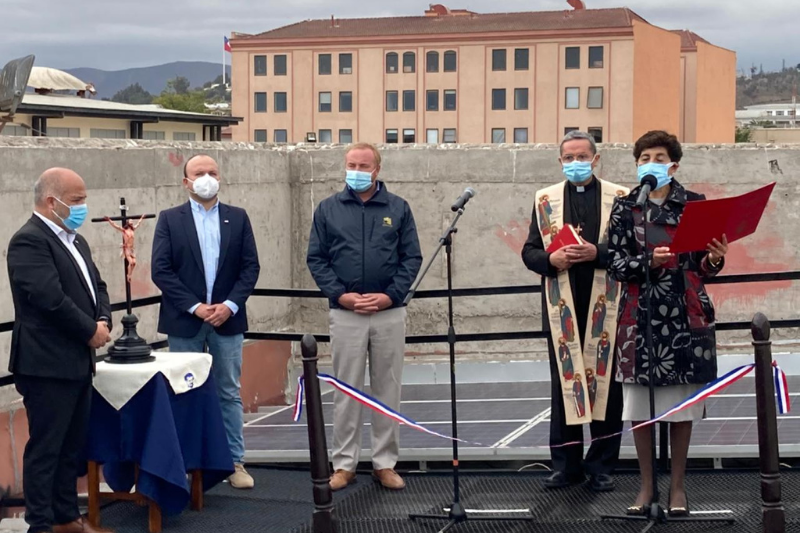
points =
(118, 383)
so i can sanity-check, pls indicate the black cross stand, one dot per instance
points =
(130, 347)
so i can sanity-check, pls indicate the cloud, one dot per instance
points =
(121, 34)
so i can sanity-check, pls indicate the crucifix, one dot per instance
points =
(130, 347)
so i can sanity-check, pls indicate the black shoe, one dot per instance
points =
(559, 480)
(601, 483)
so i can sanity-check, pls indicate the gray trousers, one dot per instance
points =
(354, 339)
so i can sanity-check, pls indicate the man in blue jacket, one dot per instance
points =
(206, 264)
(364, 255)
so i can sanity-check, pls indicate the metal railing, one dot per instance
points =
(460, 293)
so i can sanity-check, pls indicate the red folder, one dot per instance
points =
(566, 237)
(705, 220)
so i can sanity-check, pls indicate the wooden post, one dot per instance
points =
(324, 518)
(94, 494)
(197, 490)
(773, 515)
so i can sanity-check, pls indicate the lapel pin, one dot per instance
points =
(225, 221)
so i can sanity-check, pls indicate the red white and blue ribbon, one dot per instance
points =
(781, 393)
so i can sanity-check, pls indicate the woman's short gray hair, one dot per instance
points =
(578, 135)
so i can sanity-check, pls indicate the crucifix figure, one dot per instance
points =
(130, 347)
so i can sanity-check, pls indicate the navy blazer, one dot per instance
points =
(55, 316)
(177, 269)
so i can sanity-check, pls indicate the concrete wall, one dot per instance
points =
(775, 135)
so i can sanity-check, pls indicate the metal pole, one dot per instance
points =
(324, 518)
(773, 515)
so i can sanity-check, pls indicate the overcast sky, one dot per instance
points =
(118, 34)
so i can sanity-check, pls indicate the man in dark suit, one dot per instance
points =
(206, 264)
(62, 315)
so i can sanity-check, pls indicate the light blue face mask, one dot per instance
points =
(359, 181)
(77, 215)
(659, 170)
(577, 171)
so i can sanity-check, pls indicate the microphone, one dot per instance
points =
(468, 193)
(649, 183)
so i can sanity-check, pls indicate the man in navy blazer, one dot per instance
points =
(206, 264)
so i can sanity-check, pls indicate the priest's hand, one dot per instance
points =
(717, 250)
(660, 256)
(220, 315)
(560, 260)
(581, 253)
(101, 336)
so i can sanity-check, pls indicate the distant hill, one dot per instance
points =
(152, 79)
(766, 87)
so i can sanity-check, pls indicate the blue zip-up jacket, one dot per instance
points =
(362, 247)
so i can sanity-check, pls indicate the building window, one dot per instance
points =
(409, 136)
(450, 100)
(778, 113)
(432, 136)
(279, 65)
(520, 135)
(521, 98)
(597, 133)
(325, 102)
(325, 136)
(769, 113)
(345, 63)
(595, 57)
(345, 136)
(391, 136)
(176, 136)
(432, 62)
(260, 136)
(573, 59)
(498, 135)
(281, 105)
(449, 135)
(324, 64)
(147, 135)
(595, 98)
(345, 101)
(450, 61)
(409, 62)
(391, 100)
(391, 63)
(260, 65)
(15, 131)
(499, 59)
(498, 99)
(570, 130)
(99, 133)
(261, 102)
(279, 136)
(409, 101)
(432, 101)
(573, 98)
(521, 59)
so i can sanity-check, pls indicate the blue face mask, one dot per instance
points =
(577, 171)
(660, 171)
(77, 215)
(359, 181)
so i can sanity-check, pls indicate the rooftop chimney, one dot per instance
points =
(437, 10)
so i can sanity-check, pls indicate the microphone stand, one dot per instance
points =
(656, 513)
(456, 513)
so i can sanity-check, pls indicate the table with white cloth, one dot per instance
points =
(156, 426)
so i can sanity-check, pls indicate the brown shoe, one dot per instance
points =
(389, 479)
(342, 478)
(81, 525)
(240, 479)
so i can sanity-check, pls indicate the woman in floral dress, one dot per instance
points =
(684, 343)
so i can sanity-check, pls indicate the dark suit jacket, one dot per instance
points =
(177, 269)
(54, 314)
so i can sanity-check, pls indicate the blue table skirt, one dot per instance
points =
(167, 435)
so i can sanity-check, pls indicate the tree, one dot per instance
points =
(193, 101)
(133, 94)
(744, 135)
(179, 85)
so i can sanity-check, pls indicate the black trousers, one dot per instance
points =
(58, 419)
(603, 454)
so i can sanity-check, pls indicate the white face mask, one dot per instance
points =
(206, 187)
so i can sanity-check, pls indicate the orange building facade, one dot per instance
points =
(457, 76)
